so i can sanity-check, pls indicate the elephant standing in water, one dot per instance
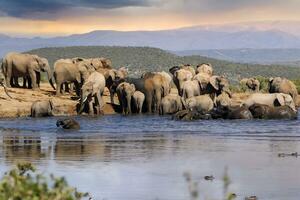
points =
(269, 112)
(156, 86)
(125, 92)
(274, 99)
(138, 101)
(170, 104)
(28, 66)
(42, 108)
(91, 93)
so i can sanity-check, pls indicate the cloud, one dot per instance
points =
(37, 9)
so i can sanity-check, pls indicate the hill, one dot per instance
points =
(262, 56)
(142, 59)
(260, 35)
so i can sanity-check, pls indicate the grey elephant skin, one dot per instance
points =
(156, 86)
(274, 99)
(68, 123)
(91, 93)
(261, 111)
(42, 108)
(125, 93)
(28, 66)
(283, 85)
(170, 104)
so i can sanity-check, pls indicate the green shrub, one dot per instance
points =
(264, 83)
(22, 183)
(297, 83)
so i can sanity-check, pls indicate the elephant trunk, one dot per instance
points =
(50, 78)
(5, 89)
(82, 101)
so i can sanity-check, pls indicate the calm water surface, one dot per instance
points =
(144, 157)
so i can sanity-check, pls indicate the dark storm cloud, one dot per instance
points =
(48, 8)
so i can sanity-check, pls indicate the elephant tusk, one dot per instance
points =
(84, 100)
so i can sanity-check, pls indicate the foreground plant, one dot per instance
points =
(23, 183)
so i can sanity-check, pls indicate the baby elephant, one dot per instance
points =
(261, 111)
(138, 101)
(42, 108)
(68, 123)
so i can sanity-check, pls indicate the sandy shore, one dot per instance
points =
(20, 105)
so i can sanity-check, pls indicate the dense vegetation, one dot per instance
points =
(24, 183)
(141, 59)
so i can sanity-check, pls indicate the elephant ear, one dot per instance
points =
(37, 64)
(133, 87)
(214, 81)
(279, 100)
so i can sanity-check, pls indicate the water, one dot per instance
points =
(144, 157)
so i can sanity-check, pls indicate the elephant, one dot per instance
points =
(251, 83)
(179, 77)
(113, 77)
(138, 101)
(231, 112)
(170, 104)
(274, 99)
(125, 92)
(188, 67)
(283, 85)
(27, 66)
(261, 111)
(42, 108)
(68, 123)
(74, 70)
(223, 100)
(205, 68)
(202, 103)
(91, 92)
(212, 85)
(190, 89)
(156, 86)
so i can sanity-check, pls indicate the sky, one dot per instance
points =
(64, 17)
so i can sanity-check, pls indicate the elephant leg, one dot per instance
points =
(38, 78)
(100, 103)
(32, 75)
(128, 98)
(112, 94)
(58, 88)
(16, 81)
(149, 98)
(67, 89)
(71, 88)
(91, 108)
(24, 82)
(157, 100)
(8, 76)
(29, 82)
(77, 88)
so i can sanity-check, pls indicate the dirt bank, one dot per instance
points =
(20, 105)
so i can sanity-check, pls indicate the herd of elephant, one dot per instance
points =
(185, 91)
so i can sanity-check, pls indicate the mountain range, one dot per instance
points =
(250, 35)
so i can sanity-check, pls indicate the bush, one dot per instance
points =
(22, 183)
(297, 83)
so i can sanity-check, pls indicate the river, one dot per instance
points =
(144, 157)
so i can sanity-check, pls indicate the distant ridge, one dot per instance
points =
(248, 35)
(142, 59)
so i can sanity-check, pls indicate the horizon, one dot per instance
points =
(250, 24)
(60, 18)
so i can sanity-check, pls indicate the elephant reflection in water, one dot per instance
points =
(23, 148)
(80, 149)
